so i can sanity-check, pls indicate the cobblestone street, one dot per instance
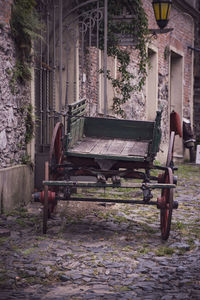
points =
(104, 252)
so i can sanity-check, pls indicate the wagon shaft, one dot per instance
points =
(108, 185)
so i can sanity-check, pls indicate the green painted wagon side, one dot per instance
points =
(80, 127)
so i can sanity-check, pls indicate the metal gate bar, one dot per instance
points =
(51, 65)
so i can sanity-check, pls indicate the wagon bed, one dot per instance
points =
(104, 138)
(112, 148)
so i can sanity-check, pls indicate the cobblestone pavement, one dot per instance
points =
(97, 252)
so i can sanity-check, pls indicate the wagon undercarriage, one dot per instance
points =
(67, 189)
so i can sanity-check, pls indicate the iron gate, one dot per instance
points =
(67, 64)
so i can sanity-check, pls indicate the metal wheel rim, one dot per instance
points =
(166, 213)
(170, 149)
(56, 148)
(45, 207)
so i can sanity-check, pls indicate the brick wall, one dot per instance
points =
(178, 40)
(197, 78)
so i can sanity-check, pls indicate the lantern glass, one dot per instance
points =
(161, 11)
(165, 11)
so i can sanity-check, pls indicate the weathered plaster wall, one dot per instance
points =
(16, 186)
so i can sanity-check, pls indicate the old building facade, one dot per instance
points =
(75, 74)
(67, 64)
(175, 67)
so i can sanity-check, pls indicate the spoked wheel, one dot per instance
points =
(166, 205)
(56, 148)
(45, 206)
(169, 162)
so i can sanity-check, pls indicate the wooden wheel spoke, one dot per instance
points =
(56, 155)
(56, 148)
(45, 207)
(169, 162)
(167, 206)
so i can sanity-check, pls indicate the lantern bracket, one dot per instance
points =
(194, 49)
(160, 31)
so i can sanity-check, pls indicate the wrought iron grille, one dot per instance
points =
(67, 62)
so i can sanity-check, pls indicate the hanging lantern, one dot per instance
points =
(161, 11)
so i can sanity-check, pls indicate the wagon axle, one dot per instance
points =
(161, 203)
(52, 200)
(161, 178)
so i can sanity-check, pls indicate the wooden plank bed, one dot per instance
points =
(111, 147)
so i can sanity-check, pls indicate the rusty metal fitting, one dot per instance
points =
(161, 178)
(39, 197)
(51, 197)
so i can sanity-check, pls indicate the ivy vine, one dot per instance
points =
(24, 25)
(29, 123)
(137, 28)
(27, 111)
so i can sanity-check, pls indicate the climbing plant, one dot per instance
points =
(137, 28)
(29, 123)
(24, 25)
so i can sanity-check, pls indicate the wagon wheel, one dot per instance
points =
(166, 205)
(55, 158)
(56, 148)
(45, 206)
(169, 162)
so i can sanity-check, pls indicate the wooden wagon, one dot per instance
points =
(108, 149)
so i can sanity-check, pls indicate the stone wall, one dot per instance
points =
(14, 98)
(16, 178)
